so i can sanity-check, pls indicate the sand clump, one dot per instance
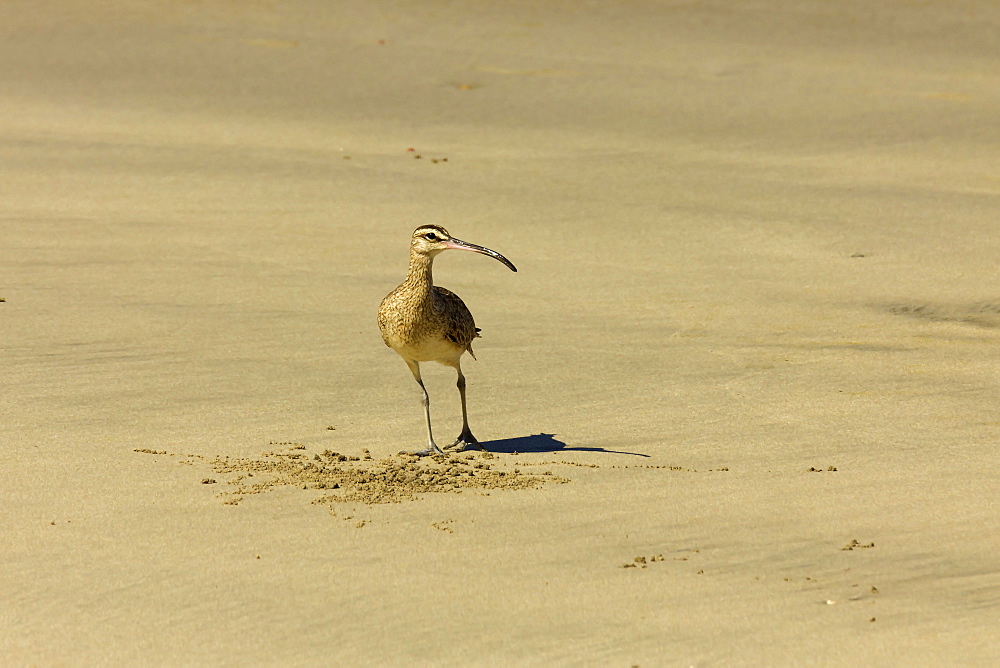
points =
(346, 478)
(362, 479)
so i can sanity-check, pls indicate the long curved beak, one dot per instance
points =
(458, 244)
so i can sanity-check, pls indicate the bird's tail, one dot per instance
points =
(469, 347)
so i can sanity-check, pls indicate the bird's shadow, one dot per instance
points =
(543, 443)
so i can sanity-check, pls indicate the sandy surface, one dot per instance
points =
(742, 394)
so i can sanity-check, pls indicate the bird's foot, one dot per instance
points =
(427, 452)
(465, 441)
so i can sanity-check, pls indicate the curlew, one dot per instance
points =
(426, 323)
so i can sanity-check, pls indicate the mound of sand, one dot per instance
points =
(362, 479)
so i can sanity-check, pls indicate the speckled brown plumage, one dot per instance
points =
(426, 323)
(412, 315)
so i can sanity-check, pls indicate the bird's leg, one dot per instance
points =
(465, 440)
(432, 448)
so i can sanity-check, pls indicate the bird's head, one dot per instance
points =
(429, 240)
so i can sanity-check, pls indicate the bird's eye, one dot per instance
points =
(431, 236)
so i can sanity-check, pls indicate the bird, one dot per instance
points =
(423, 322)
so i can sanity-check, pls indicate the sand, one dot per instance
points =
(741, 395)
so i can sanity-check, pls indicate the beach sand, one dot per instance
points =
(741, 395)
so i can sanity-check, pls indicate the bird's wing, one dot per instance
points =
(460, 327)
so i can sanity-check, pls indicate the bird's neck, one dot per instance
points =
(419, 276)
